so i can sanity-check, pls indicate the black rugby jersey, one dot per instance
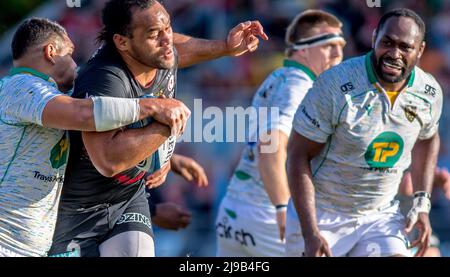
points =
(106, 74)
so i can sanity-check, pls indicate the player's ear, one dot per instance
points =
(50, 52)
(121, 42)
(421, 49)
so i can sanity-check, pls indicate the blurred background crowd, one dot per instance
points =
(231, 82)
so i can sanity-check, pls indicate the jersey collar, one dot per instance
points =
(371, 72)
(27, 70)
(291, 63)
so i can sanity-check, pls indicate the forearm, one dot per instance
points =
(118, 151)
(424, 159)
(302, 193)
(193, 50)
(67, 113)
(273, 174)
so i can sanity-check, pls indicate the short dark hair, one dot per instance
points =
(32, 32)
(117, 16)
(302, 26)
(403, 12)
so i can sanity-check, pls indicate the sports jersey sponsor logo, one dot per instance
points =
(312, 120)
(48, 179)
(381, 169)
(384, 151)
(59, 153)
(134, 218)
(430, 90)
(171, 83)
(410, 112)
(224, 230)
(347, 87)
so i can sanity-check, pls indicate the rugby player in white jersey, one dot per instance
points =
(359, 127)
(34, 113)
(252, 215)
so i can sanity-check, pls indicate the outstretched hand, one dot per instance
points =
(245, 38)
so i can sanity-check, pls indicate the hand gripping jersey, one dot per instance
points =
(32, 163)
(368, 141)
(283, 89)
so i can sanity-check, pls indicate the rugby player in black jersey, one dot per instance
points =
(103, 209)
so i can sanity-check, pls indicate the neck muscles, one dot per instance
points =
(142, 73)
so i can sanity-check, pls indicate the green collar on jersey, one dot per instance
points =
(291, 63)
(27, 70)
(372, 75)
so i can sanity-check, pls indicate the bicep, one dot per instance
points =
(300, 145)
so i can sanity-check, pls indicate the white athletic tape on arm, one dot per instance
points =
(421, 204)
(112, 113)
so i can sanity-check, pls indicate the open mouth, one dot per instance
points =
(391, 68)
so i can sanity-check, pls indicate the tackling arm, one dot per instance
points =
(67, 113)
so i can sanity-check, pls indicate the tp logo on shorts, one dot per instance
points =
(384, 151)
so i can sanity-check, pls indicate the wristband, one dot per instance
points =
(421, 204)
(281, 207)
(422, 194)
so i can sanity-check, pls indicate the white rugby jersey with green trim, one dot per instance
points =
(32, 163)
(284, 89)
(368, 141)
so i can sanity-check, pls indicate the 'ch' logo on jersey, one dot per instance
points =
(385, 150)
(59, 153)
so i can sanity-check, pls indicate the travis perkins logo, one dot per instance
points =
(410, 112)
(48, 179)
